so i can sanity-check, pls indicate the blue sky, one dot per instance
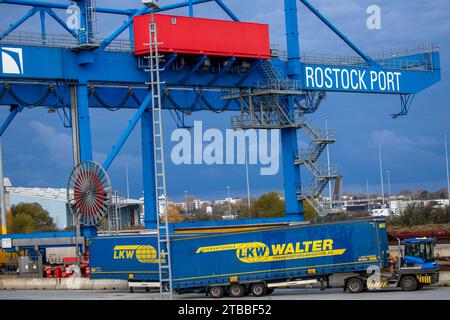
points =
(37, 148)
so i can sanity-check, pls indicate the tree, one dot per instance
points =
(269, 205)
(406, 193)
(422, 195)
(30, 217)
(420, 214)
(309, 213)
(174, 214)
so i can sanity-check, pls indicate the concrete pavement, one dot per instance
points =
(430, 293)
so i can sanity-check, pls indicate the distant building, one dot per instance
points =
(54, 200)
(51, 199)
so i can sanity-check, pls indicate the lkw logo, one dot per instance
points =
(142, 253)
(256, 252)
(12, 60)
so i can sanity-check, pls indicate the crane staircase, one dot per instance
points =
(164, 255)
(267, 107)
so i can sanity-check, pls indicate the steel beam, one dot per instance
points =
(60, 21)
(191, 8)
(148, 165)
(13, 111)
(227, 67)
(43, 33)
(137, 116)
(249, 72)
(200, 62)
(291, 173)
(16, 24)
(227, 10)
(292, 39)
(171, 60)
(84, 125)
(338, 33)
(75, 126)
(85, 140)
(45, 4)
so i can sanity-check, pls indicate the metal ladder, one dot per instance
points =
(91, 21)
(164, 257)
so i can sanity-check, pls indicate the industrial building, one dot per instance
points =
(127, 212)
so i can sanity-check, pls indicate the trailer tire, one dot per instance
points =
(166, 287)
(236, 290)
(409, 283)
(216, 291)
(259, 289)
(354, 285)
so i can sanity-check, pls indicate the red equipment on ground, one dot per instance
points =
(48, 272)
(57, 272)
(203, 36)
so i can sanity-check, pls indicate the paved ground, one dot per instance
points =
(433, 293)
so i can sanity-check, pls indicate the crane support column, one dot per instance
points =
(291, 172)
(84, 140)
(148, 163)
(84, 124)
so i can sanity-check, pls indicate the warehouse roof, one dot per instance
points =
(59, 194)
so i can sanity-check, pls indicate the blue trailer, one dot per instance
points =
(130, 257)
(258, 261)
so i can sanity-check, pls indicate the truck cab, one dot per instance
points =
(416, 265)
(419, 252)
(413, 268)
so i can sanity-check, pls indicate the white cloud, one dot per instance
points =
(390, 138)
(57, 144)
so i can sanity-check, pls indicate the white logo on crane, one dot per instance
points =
(12, 60)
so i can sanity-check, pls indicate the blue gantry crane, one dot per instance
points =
(75, 72)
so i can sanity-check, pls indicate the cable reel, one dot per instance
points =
(89, 193)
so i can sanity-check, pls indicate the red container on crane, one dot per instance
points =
(201, 36)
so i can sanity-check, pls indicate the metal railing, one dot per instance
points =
(390, 59)
(58, 41)
(279, 85)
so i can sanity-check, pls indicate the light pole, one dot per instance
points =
(389, 183)
(328, 162)
(381, 174)
(128, 182)
(446, 163)
(367, 190)
(248, 180)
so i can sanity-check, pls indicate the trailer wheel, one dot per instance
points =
(408, 283)
(166, 287)
(354, 285)
(237, 290)
(259, 289)
(216, 291)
